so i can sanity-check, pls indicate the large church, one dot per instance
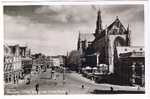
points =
(112, 46)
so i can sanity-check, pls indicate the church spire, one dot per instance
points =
(79, 41)
(98, 23)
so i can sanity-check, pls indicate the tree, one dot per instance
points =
(74, 60)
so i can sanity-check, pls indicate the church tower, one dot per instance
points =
(98, 24)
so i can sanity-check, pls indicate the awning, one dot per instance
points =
(88, 67)
(101, 65)
(94, 68)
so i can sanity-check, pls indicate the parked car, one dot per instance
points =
(28, 81)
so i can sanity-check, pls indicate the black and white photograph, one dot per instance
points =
(68, 0)
(74, 49)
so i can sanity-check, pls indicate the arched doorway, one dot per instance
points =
(119, 41)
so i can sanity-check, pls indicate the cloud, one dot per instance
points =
(54, 29)
(71, 14)
(39, 37)
(46, 14)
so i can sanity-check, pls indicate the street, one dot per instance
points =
(72, 84)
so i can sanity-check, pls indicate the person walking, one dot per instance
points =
(37, 88)
(66, 93)
(111, 89)
(82, 86)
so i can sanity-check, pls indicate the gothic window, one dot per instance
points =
(119, 42)
(114, 31)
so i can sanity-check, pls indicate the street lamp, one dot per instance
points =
(63, 75)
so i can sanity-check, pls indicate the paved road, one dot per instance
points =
(71, 85)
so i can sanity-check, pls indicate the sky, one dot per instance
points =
(54, 29)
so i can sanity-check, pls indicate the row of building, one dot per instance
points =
(17, 62)
(112, 46)
(20, 62)
(42, 62)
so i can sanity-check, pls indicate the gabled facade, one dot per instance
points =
(106, 40)
(106, 47)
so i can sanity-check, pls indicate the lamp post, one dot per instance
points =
(63, 75)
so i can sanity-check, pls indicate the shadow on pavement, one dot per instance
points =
(116, 92)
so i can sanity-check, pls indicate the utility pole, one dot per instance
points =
(63, 75)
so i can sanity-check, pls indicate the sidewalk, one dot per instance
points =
(80, 77)
(20, 82)
(115, 87)
(22, 88)
(12, 85)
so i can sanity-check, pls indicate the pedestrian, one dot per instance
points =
(37, 88)
(14, 80)
(111, 89)
(66, 93)
(28, 81)
(138, 88)
(17, 80)
(55, 83)
(82, 86)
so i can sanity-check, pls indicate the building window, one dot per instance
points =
(125, 49)
(133, 51)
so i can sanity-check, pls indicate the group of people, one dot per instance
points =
(37, 88)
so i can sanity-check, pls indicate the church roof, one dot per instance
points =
(86, 36)
(110, 29)
(117, 25)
